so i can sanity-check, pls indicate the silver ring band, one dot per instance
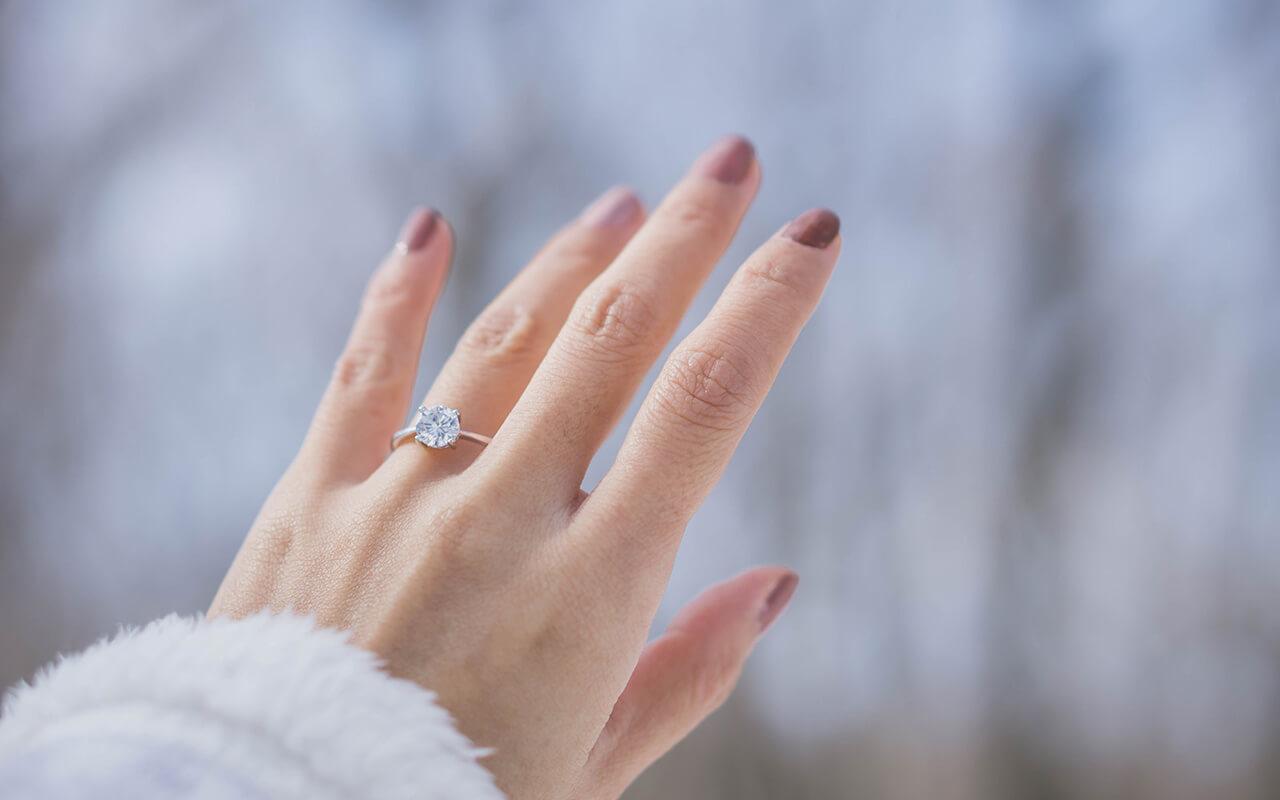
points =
(437, 427)
(407, 434)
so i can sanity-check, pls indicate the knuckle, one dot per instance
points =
(771, 275)
(703, 217)
(507, 333)
(709, 387)
(453, 528)
(283, 528)
(454, 545)
(390, 286)
(368, 365)
(714, 679)
(579, 248)
(617, 322)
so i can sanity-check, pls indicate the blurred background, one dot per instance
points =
(1026, 457)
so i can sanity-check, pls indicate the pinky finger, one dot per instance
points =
(686, 674)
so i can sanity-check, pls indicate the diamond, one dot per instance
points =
(438, 426)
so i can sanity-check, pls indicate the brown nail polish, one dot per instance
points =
(417, 230)
(728, 161)
(777, 600)
(816, 228)
(613, 209)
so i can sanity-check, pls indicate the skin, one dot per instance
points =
(487, 574)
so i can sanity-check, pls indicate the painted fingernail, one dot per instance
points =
(613, 209)
(815, 228)
(728, 161)
(777, 600)
(417, 230)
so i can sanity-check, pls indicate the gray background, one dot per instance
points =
(1026, 457)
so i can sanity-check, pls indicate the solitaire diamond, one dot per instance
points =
(437, 426)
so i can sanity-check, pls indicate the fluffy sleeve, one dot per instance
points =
(269, 706)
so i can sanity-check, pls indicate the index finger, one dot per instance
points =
(709, 390)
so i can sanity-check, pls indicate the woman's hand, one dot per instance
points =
(487, 574)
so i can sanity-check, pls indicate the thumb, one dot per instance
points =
(685, 674)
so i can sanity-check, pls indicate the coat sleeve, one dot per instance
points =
(265, 707)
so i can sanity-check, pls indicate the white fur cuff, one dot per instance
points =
(291, 708)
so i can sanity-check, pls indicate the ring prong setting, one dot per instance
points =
(438, 427)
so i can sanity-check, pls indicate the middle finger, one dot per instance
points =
(621, 323)
(499, 352)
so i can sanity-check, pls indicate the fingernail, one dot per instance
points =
(417, 230)
(728, 160)
(777, 600)
(613, 209)
(815, 228)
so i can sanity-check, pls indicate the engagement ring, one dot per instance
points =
(438, 427)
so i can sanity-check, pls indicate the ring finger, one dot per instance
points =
(498, 354)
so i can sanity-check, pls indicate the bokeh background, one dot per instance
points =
(1026, 457)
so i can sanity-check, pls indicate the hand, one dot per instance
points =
(487, 574)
